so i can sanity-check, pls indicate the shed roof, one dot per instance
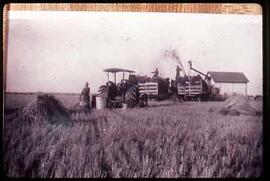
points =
(114, 70)
(228, 77)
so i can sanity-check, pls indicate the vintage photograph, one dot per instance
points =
(133, 95)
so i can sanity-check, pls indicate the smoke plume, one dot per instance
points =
(173, 55)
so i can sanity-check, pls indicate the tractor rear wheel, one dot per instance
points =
(103, 91)
(132, 96)
(143, 100)
(108, 91)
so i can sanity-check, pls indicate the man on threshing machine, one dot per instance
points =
(155, 73)
(85, 97)
(178, 69)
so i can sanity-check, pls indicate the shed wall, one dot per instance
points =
(231, 88)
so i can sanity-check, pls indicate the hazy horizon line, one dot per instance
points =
(77, 93)
(10, 92)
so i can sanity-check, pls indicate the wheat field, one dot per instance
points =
(165, 140)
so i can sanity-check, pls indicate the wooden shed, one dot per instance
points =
(229, 82)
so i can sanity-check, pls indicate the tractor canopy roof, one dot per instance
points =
(115, 70)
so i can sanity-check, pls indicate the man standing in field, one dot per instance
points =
(85, 97)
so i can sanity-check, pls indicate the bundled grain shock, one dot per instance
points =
(238, 105)
(46, 108)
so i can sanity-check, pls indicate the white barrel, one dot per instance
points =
(100, 102)
(124, 106)
(82, 103)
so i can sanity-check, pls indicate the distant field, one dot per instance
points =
(17, 100)
(13, 100)
(167, 139)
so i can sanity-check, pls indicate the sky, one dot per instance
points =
(60, 51)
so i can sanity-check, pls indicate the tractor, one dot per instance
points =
(123, 93)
